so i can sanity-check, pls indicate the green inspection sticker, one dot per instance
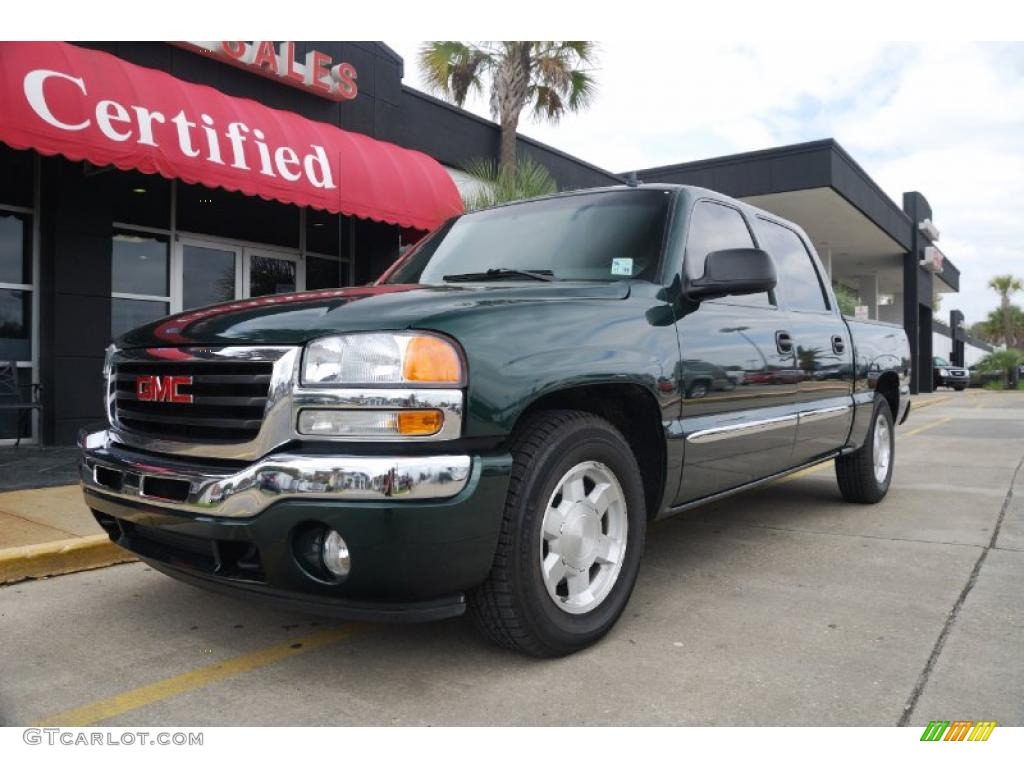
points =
(622, 267)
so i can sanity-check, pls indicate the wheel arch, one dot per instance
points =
(630, 408)
(888, 386)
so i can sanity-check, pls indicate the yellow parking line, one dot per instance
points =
(804, 472)
(828, 464)
(930, 403)
(105, 709)
(936, 423)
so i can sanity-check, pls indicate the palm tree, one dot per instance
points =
(547, 74)
(1006, 286)
(493, 186)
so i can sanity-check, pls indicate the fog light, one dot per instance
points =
(335, 554)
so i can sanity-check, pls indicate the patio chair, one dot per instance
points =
(11, 398)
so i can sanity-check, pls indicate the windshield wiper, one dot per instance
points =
(501, 273)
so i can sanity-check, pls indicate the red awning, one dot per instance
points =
(57, 98)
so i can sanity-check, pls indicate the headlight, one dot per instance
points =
(382, 358)
(943, 372)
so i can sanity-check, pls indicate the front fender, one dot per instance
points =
(517, 354)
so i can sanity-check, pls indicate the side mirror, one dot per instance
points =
(734, 272)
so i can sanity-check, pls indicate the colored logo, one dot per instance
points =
(162, 389)
(958, 730)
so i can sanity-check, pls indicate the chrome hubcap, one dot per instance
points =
(883, 450)
(584, 537)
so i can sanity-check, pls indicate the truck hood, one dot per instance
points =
(295, 318)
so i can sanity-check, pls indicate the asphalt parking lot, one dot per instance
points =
(783, 606)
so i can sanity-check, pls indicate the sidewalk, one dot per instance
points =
(45, 527)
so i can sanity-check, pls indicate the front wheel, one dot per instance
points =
(571, 537)
(864, 475)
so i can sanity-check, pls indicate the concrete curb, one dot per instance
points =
(57, 557)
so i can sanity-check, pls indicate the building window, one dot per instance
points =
(140, 280)
(13, 421)
(15, 255)
(326, 272)
(15, 287)
(270, 274)
(208, 275)
(15, 325)
(126, 314)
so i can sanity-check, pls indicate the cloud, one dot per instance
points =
(946, 120)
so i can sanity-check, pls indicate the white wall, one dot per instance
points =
(942, 346)
(465, 182)
(973, 354)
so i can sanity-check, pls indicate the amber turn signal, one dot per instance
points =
(420, 422)
(431, 359)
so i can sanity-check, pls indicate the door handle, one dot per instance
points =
(784, 342)
(838, 344)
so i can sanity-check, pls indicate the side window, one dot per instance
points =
(715, 227)
(797, 274)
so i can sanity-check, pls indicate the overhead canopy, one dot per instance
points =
(57, 98)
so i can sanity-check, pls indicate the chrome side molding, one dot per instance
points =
(741, 429)
(744, 428)
(808, 417)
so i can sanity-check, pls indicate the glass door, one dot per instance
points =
(209, 272)
(213, 271)
(267, 272)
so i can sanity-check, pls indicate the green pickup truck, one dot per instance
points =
(493, 423)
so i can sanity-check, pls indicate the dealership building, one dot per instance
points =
(143, 179)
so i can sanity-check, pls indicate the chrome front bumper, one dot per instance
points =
(172, 483)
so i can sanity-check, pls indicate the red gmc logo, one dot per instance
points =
(162, 389)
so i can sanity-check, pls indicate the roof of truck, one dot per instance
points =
(692, 191)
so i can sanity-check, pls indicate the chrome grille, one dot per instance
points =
(229, 399)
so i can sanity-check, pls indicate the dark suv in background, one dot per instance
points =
(946, 375)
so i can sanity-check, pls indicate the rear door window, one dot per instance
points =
(798, 277)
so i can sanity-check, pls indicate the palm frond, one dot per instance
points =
(493, 186)
(453, 69)
(581, 91)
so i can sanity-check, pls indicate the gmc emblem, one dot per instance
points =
(162, 389)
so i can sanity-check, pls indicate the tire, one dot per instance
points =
(861, 480)
(698, 389)
(515, 607)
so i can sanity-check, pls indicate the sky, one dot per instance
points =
(943, 119)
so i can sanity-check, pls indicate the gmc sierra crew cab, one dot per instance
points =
(493, 423)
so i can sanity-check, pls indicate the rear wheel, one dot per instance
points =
(864, 475)
(571, 538)
(698, 389)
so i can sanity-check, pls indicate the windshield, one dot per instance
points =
(940, 361)
(600, 236)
